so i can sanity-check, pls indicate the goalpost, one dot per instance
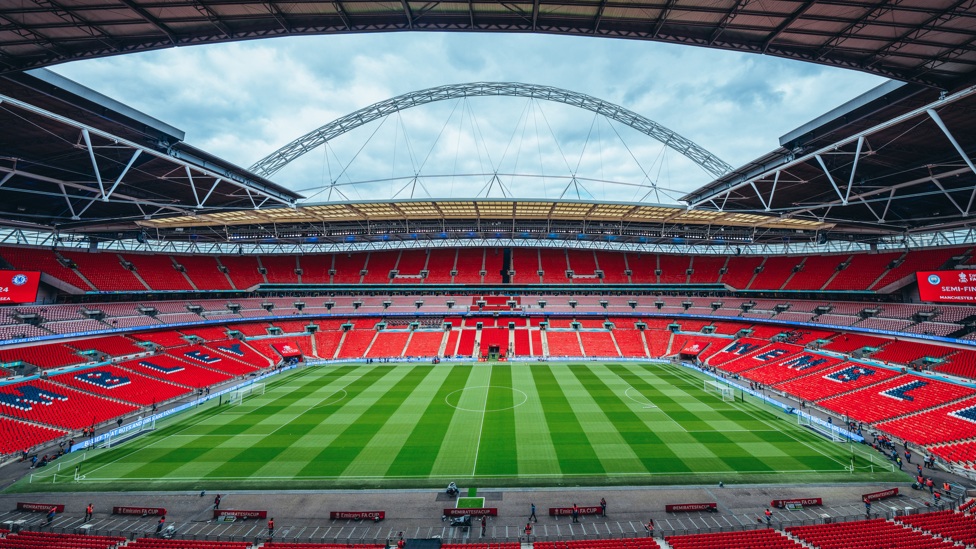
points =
(827, 432)
(723, 390)
(237, 397)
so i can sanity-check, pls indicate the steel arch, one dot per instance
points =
(277, 160)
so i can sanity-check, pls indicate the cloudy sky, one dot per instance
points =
(244, 100)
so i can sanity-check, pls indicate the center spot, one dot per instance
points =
(475, 399)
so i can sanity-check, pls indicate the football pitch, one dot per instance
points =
(480, 424)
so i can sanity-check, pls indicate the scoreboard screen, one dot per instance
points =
(19, 286)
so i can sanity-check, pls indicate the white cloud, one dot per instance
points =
(243, 100)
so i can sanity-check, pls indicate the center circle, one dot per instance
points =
(515, 393)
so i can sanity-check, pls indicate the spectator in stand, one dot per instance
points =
(50, 514)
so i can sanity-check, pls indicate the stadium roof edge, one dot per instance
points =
(54, 85)
(869, 102)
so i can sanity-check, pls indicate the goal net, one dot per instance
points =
(826, 432)
(237, 397)
(720, 390)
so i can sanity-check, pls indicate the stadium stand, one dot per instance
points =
(170, 369)
(817, 271)
(424, 343)
(563, 343)
(642, 267)
(208, 358)
(112, 345)
(170, 338)
(411, 263)
(280, 269)
(348, 267)
(739, 348)
(917, 260)
(439, 266)
(326, 343)
(867, 534)
(56, 405)
(706, 269)
(242, 270)
(957, 527)
(766, 539)
(204, 272)
(963, 452)
(842, 378)
(52, 355)
(105, 271)
(16, 435)
(388, 344)
(798, 365)
(206, 333)
(625, 543)
(657, 342)
(674, 268)
(346, 546)
(943, 424)
(848, 343)
(75, 326)
(378, 267)
(630, 342)
(26, 540)
(776, 271)
(598, 344)
(43, 260)
(114, 382)
(147, 543)
(896, 397)
(613, 266)
(240, 351)
(863, 270)
(904, 352)
(961, 363)
(158, 272)
(554, 264)
(356, 343)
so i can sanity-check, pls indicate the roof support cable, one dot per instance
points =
(631, 153)
(353, 159)
(538, 144)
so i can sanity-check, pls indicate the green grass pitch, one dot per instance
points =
(482, 424)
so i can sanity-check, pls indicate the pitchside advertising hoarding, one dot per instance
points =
(948, 286)
(19, 286)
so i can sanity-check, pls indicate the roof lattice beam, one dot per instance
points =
(152, 21)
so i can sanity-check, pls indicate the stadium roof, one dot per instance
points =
(896, 159)
(484, 208)
(71, 157)
(930, 41)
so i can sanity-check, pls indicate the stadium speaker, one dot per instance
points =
(141, 238)
(738, 251)
(821, 239)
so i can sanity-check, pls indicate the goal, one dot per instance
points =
(826, 432)
(237, 397)
(720, 389)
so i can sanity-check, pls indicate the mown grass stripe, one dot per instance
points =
(296, 423)
(646, 445)
(377, 456)
(419, 452)
(190, 455)
(343, 450)
(499, 448)
(573, 449)
(536, 453)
